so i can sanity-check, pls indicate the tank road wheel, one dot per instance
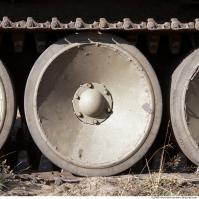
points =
(93, 104)
(7, 104)
(184, 106)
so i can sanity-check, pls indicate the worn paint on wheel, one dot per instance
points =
(114, 144)
(184, 106)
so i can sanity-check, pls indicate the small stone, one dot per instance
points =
(78, 114)
(76, 96)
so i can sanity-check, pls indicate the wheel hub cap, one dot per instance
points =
(92, 103)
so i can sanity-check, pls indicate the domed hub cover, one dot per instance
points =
(92, 103)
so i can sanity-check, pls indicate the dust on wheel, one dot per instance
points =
(93, 104)
(184, 106)
(7, 104)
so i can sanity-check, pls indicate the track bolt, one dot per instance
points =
(108, 110)
(76, 96)
(89, 85)
(79, 114)
(175, 25)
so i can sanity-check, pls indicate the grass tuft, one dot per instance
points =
(5, 173)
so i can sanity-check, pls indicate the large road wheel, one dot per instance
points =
(93, 104)
(7, 104)
(184, 106)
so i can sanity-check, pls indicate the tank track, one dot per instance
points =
(126, 24)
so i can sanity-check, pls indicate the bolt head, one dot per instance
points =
(76, 96)
(109, 110)
(89, 85)
(106, 92)
(79, 114)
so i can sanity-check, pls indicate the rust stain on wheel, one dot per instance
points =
(184, 106)
(93, 104)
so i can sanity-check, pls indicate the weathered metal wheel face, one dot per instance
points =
(192, 108)
(7, 104)
(94, 104)
(184, 106)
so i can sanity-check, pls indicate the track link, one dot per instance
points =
(126, 24)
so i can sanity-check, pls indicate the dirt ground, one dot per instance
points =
(58, 184)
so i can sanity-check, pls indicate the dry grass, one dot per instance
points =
(5, 173)
(156, 183)
(128, 185)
